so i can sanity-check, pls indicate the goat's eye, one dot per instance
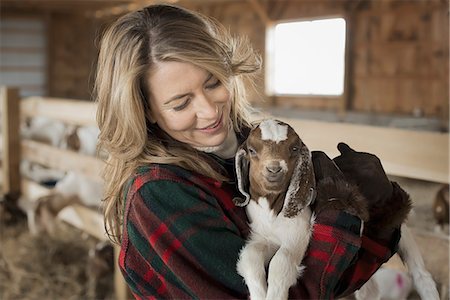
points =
(251, 151)
(294, 151)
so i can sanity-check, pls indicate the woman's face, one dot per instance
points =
(189, 103)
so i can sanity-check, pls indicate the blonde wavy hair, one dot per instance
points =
(128, 49)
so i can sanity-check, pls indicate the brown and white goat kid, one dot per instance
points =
(276, 176)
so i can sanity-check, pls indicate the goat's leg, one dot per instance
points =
(410, 254)
(369, 290)
(251, 265)
(284, 269)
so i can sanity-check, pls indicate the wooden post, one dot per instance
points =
(10, 102)
(120, 286)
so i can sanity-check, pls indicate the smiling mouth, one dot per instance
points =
(214, 125)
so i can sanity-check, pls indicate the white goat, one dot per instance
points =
(45, 130)
(73, 188)
(82, 139)
(275, 174)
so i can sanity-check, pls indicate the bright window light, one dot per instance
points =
(307, 57)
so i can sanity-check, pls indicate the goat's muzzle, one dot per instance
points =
(274, 175)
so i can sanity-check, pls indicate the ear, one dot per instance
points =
(242, 166)
(302, 188)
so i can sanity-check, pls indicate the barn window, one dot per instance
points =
(23, 58)
(306, 58)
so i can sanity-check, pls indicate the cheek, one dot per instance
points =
(256, 168)
(221, 95)
(178, 121)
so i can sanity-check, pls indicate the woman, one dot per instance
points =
(172, 110)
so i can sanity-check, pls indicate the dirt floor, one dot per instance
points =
(43, 267)
(57, 268)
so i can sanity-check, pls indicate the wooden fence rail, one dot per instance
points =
(74, 112)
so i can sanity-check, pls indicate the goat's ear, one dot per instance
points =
(302, 188)
(242, 166)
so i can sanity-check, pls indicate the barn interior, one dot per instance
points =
(389, 95)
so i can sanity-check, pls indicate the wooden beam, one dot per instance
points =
(121, 289)
(59, 159)
(406, 153)
(85, 219)
(32, 190)
(82, 217)
(10, 102)
(346, 101)
(76, 112)
(261, 12)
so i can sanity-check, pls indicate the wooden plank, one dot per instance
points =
(85, 219)
(60, 159)
(406, 153)
(120, 286)
(77, 215)
(32, 190)
(11, 140)
(16, 68)
(76, 112)
(261, 12)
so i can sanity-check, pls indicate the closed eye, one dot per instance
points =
(251, 151)
(214, 84)
(183, 105)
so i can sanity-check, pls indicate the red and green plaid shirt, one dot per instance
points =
(182, 235)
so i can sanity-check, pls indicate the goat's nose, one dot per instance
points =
(274, 168)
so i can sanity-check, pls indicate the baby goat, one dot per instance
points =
(276, 176)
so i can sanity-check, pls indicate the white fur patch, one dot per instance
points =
(273, 131)
(284, 165)
(278, 241)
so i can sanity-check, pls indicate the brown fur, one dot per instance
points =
(441, 206)
(388, 216)
(336, 193)
(262, 155)
(73, 141)
(48, 208)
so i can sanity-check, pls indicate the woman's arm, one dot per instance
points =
(179, 241)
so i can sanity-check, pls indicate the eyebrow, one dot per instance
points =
(176, 97)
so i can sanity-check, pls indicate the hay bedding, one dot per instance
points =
(44, 267)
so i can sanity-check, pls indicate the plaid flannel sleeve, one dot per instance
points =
(372, 254)
(178, 243)
(332, 248)
(339, 260)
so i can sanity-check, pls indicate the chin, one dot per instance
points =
(215, 141)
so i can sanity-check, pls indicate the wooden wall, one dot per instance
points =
(72, 55)
(398, 51)
(401, 57)
(23, 59)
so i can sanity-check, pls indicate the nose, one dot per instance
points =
(206, 108)
(274, 167)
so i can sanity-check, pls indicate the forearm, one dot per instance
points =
(183, 249)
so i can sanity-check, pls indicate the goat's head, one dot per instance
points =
(274, 160)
